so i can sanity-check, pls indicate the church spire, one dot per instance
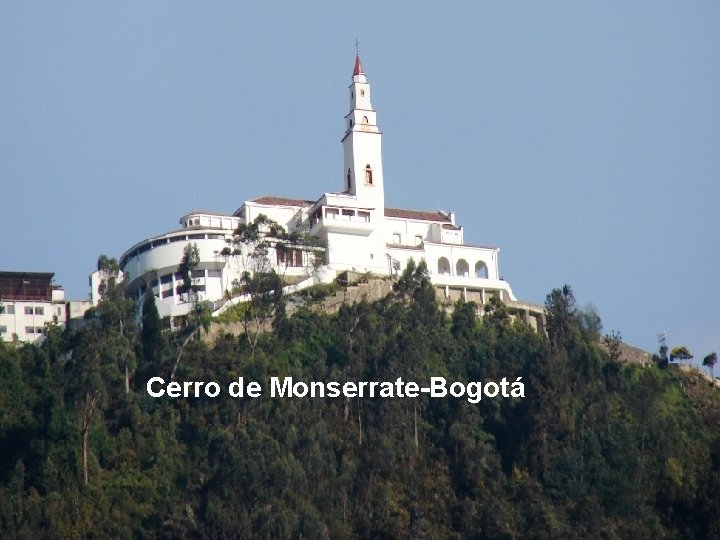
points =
(358, 66)
(362, 150)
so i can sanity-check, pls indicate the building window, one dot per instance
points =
(214, 273)
(397, 239)
(3, 329)
(362, 93)
(443, 266)
(166, 294)
(368, 175)
(481, 270)
(29, 329)
(167, 278)
(364, 216)
(418, 240)
(28, 310)
(462, 268)
(154, 283)
(289, 257)
(197, 274)
(39, 310)
(10, 310)
(365, 120)
(349, 180)
(38, 330)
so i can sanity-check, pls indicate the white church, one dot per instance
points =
(357, 232)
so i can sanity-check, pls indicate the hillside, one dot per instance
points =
(594, 449)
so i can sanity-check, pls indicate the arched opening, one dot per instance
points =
(349, 180)
(481, 270)
(365, 120)
(443, 266)
(368, 175)
(462, 268)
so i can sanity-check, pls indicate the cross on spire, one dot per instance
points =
(357, 47)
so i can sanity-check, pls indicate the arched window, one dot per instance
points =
(481, 270)
(443, 266)
(362, 93)
(349, 180)
(365, 120)
(368, 175)
(462, 268)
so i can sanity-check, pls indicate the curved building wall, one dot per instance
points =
(154, 264)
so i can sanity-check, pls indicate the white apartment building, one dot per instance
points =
(29, 301)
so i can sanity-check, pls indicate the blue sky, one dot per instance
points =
(581, 138)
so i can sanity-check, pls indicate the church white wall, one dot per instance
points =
(287, 216)
(359, 150)
(454, 254)
(412, 232)
(358, 253)
(340, 199)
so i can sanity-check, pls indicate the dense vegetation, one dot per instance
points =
(594, 450)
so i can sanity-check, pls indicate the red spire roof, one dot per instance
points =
(358, 66)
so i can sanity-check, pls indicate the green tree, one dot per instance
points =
(560, 314)
(710, 360)
(613, 344)
(109, 270)
(681, 354)
(152, 338)
(189, 262)
(589, 321)
(259, 282)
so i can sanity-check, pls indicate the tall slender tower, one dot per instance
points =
(363, 172)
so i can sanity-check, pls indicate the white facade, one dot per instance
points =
(353, 226)
(29, 302)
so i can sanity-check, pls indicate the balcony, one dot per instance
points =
(341, 220)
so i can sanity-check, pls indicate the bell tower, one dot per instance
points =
(363, 172)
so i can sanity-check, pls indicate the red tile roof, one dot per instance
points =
(282, 201)
(416, 214)
(358, 66)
